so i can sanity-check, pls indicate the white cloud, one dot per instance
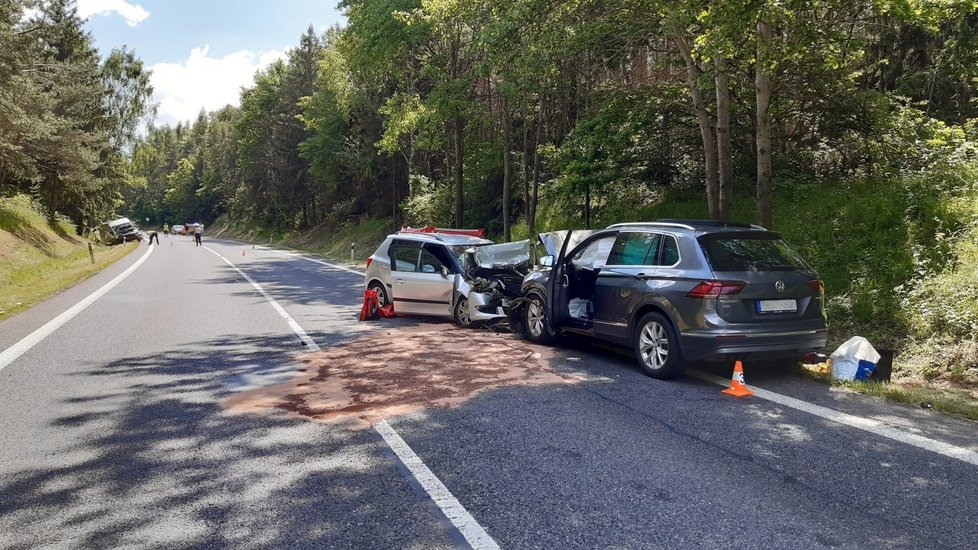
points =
(134, 14)
(204, 82)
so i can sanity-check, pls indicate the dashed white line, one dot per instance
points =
(11, 354)
(310, 344)
(471, 530)
(866, 424)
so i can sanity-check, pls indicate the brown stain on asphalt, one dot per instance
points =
(401, 370)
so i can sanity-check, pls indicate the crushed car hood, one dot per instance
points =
(501, 256)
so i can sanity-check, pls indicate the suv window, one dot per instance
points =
(670, 251)
(634, 249)
(741, 252)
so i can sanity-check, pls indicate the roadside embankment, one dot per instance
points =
(38, 258)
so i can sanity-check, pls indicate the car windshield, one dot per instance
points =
(458, 250)
(748, 253)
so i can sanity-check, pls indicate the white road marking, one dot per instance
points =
(312, 346)
(474, 534)
(320, 262)
(866, 424)
(11, 354)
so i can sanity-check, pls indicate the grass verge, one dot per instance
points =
(954, 401)
(41, 259)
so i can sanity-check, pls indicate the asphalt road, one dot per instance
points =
(112, 435)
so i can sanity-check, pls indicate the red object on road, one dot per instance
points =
(481, 233)
(371, 306)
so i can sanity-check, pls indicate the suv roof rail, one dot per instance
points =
(657, 223)
(711, 223)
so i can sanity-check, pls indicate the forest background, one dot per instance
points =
(849, 126)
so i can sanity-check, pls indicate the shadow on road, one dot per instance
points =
(149, 459)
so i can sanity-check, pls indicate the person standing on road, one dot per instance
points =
(153, 235)
(198, 230)
(166, 230)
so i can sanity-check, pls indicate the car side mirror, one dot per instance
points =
(547, 261)
(444, 271)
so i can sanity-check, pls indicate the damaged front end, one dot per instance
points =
(491, 278)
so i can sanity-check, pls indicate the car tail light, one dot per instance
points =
(712, 289)
(370, 260)
(817, 285)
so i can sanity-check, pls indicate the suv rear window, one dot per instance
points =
(740, 252)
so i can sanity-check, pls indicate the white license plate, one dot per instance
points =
(776, 306)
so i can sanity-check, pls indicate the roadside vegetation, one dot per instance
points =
(41, 257)
(850, 127)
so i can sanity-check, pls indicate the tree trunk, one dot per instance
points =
(526, 167)
(459, 175)
(587, 206)
(706, 130)
(724, 163)
(762, 86)
(507, 170)
(535, 188)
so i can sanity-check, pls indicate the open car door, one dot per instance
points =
(558, 244)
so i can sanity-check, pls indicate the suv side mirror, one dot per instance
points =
(547, 261)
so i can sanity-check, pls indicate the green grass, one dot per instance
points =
(41, 259)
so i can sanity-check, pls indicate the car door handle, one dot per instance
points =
(400, 281)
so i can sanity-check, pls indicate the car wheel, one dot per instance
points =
(657, 347)
(461, 312)
(535, 321)
(381, 293)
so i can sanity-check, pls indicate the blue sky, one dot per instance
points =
(202, 52)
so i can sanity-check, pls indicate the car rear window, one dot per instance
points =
(739, 252)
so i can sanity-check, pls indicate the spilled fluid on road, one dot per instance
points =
(402, 370)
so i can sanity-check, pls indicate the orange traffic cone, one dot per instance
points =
(737, 386)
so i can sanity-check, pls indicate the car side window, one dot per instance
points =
(429, 262)
(634, 249)
(404, 256)
(670, 251)
(595, 254)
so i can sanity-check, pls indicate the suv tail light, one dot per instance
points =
(818, 286)
(712, 289)
(370, 260)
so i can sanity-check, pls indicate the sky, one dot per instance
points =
(203, 52)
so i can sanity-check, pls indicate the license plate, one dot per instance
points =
(776, 306)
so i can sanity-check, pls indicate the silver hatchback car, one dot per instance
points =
(465, 278)
(677, 291)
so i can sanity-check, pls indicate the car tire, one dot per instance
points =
(657, 347)
(535, 321)
(460, 313)
(381, 292)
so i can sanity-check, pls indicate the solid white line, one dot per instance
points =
(10, 354)
(474, 534)
(866, 424)
(288, 319)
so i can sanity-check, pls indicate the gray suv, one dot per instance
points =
(677, 291)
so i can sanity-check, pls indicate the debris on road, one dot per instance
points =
(402, 370)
